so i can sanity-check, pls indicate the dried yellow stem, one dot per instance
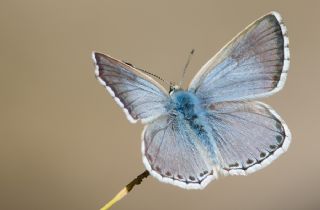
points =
(126, 190)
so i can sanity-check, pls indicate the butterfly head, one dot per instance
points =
(173, 88)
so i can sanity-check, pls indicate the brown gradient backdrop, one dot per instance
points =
(65, 144)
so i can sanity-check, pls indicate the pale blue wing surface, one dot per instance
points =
(139, 95)
(249, 135)
(252, 65)
(172, 154)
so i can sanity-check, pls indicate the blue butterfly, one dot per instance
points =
(214, 127)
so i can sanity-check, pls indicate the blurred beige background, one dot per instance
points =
(65, 144)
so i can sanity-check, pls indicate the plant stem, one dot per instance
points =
(126, 190)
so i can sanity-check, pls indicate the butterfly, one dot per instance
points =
(215, 126)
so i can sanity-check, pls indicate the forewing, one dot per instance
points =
(254, 64)
(249, 135)
(171, 155)
(140, 96)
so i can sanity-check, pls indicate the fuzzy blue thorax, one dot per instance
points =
(186, 105)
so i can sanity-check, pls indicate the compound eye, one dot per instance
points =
(173, 88)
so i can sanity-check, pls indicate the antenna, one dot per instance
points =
(185, 67)
(144, 71)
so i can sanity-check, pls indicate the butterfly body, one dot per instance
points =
(215, 126)
(187, 110)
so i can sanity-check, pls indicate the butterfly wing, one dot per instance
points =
(172, 154)
(253, 64)
(139, 95)
(249, 135)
